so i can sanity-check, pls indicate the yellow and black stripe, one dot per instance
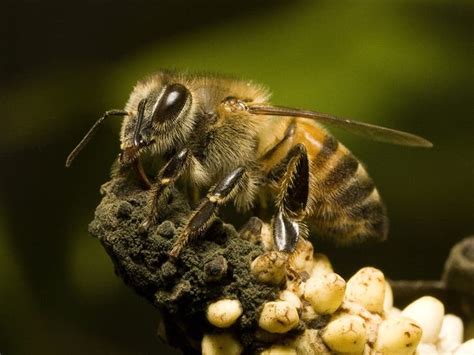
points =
(346, 205)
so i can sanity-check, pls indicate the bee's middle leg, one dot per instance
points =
(292, 199)
(202, 217)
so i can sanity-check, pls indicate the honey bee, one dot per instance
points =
(223, 134)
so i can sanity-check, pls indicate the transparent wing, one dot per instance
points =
(376, 133)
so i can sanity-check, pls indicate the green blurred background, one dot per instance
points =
(403, 64)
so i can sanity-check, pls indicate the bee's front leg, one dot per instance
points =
(292, 199)
(144, 181)
(202, 217)
(165, 179)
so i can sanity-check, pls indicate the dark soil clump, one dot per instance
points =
(213, 266)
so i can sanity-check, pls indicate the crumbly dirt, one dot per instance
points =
(213, 266)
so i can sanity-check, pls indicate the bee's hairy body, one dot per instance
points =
(342, 204)
(223, 134)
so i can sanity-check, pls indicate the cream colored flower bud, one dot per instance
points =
(394, 312)
(388, 298)
(346, 334)
(308, 313)
(302, 258)
(220, 344)
(269, 267)
(296, 286)
(451, 334)
(465, 348)
(287, 295)
(426, 349)
(266, 236)
(310, 343)
(325, 292)
(321, 265)
(428, 312)
(371, 320)
(279, 350)
(224, 313)
(367, 287)
(398, 335)
(278, 317)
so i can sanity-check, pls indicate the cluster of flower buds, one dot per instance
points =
(318, 312)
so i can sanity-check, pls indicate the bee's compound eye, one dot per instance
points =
(171, 103)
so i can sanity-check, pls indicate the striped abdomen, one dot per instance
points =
(344, 203)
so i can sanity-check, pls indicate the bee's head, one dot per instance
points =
(160, 119)
(158, 116)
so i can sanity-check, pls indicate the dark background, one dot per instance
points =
(403, 64)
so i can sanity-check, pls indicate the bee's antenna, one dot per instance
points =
(90, 133)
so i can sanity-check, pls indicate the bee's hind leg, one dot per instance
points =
(292, 199)
(202, 217)
(167, 176)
